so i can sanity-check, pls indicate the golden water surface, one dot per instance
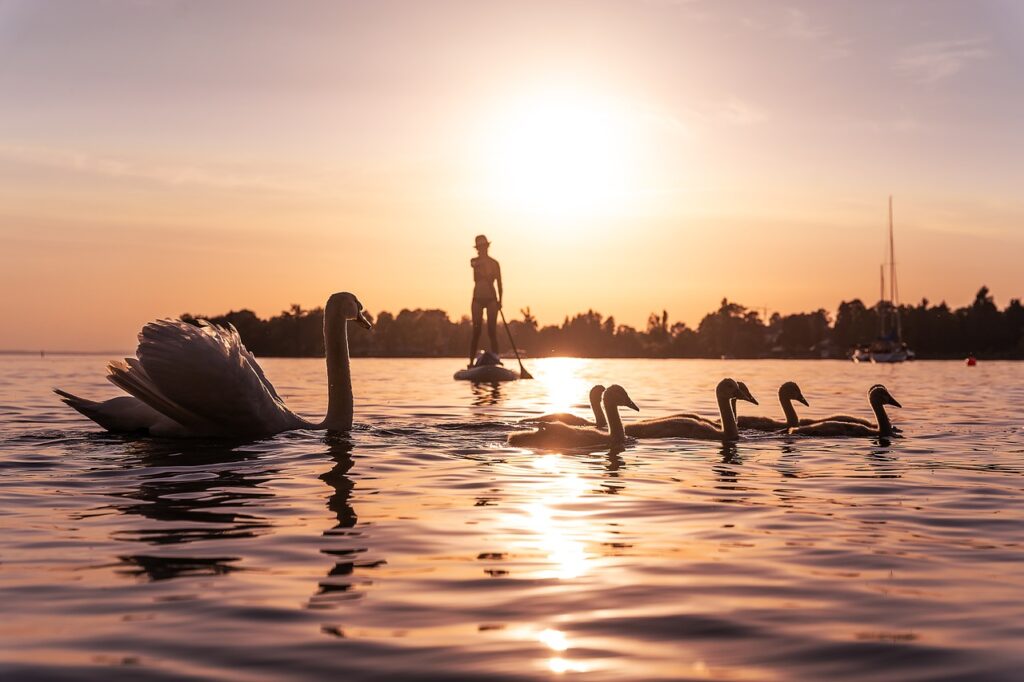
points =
(423, 547)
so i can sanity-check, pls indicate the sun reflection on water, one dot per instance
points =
(549, 463)
(567, 555)
(564, 665)
(561, 533)
(562, 536)
(553, 639)
(564, 386)
(559, 643)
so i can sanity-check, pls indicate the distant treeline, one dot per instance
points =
(933, 331)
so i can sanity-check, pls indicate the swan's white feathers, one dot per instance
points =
(192, 380)
(184, 371)
(249, 358)
(123, 414)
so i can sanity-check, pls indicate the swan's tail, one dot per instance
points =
(88, 408)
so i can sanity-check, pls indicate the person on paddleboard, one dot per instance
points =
(486, 273)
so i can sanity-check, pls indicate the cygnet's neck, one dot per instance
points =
(787, 409)
(595, 405)
(615, 430)
(727, 412)
(884, 425)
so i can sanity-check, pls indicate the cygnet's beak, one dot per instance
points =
(631, 405)
(801, 399)
(892, 401)
(748, 396)
(363, 320)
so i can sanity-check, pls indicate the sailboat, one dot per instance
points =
(889, 346)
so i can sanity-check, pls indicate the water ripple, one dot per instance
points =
(422, 547)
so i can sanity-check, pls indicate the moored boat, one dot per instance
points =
(889, 347)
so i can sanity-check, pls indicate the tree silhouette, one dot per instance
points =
(933, 331)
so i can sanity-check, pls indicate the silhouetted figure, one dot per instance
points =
(486, 272)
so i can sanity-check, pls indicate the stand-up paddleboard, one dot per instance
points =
(486, 368)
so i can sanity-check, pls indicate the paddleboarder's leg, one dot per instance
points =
(478, 322)
(492, 325)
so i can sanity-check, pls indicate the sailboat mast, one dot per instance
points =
(892, 277)
(892, 259)
(881, 299)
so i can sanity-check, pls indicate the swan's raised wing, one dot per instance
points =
(204, 378)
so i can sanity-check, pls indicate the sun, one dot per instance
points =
(560, 154)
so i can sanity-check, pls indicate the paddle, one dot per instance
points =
(523, 374)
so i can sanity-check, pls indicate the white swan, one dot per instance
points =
(573, 420)
(556, 435)
(190, 381)
(683, 427)
(879, 397)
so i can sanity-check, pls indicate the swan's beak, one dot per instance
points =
(363, 321)
(631, 405)
(801, 399)
(892, 401)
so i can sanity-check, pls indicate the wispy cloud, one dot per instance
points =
(799, 25)
(113, 167)
(737, 112)
(935, 61)
(904, 123)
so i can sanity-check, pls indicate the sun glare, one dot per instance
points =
(563, 384)
(561, 155)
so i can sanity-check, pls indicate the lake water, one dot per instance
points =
(422, 547)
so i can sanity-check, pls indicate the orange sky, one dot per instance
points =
(158, 158)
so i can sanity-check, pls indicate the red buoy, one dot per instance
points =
(971, 361)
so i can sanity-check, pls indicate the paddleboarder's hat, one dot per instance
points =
(481, 240)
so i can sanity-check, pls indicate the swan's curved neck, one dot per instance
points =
(884, 425)
(727, 410)
(599, 420)
(615, 430)
(339, 376)
(787, 409)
